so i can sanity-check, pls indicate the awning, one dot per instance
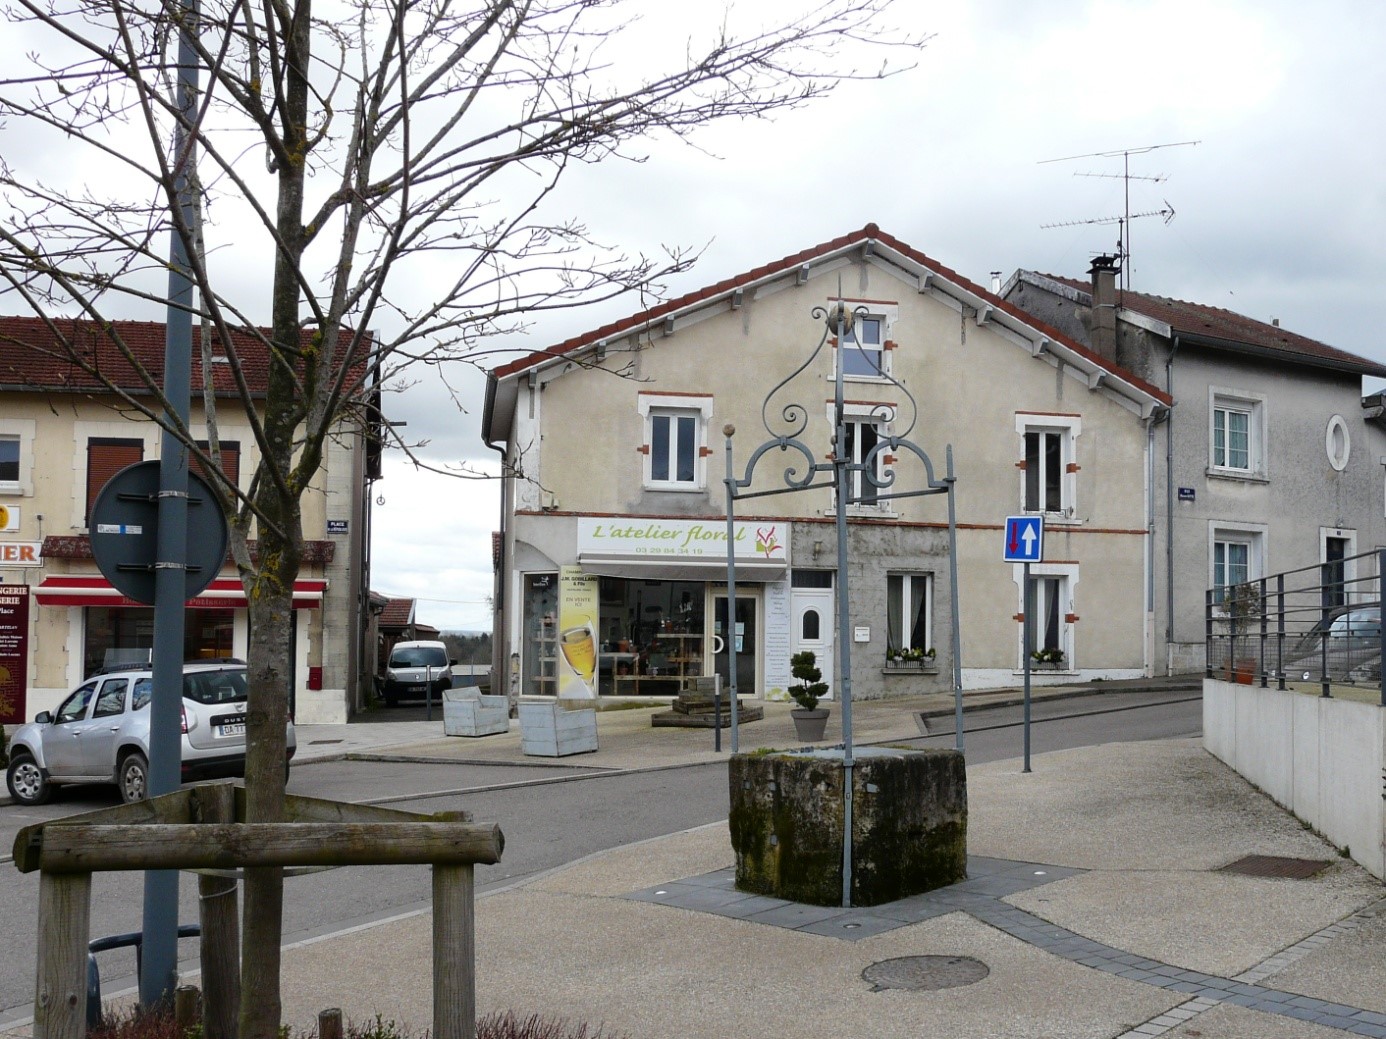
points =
(709, 569)
(224, 593)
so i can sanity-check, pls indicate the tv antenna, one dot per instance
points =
(1124, 239)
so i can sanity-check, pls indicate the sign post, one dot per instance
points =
(1024, 544)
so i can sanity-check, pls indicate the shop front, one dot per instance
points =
(112, 629)
(643, 610)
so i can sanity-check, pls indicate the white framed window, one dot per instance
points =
(1236, 555)
(909, 612)
(17, 456)
(675, 446)
(866, 425)
(1055, 591)
(865, 351)
(1236, 434)
(1048, 464)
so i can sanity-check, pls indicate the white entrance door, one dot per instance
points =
(812, 627)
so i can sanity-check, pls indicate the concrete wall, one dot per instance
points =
(1323, 759)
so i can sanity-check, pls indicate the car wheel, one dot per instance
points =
(133, 778)
(26, 781)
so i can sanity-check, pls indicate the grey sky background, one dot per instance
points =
(1280, 206)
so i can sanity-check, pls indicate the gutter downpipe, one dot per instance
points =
(1169, 505)
(499, 644)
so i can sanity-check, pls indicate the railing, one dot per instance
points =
(1319, 624)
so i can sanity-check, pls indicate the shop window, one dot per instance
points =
(539, 673)
(107, 456)
(125, 635)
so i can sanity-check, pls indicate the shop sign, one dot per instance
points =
(21, 553)
(14, 652)
(9, 518)
(682, 538)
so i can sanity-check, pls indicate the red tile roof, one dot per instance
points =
(1215, 323)
(33, 357)
(869, 233)
(397, 613)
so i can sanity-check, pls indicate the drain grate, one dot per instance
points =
(318, 743)
(925, 973)
(1276, 866)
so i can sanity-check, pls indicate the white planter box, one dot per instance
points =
(548, 730)
(467, 713)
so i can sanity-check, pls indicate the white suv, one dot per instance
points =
(100, 733)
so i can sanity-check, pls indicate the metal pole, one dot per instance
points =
(159, 962)
(1027, 625)
(1380, 599)
(951, 480)
(844, 621)
(729, 431)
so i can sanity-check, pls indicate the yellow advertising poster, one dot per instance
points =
(577, 634)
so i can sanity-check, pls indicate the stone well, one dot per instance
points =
(909, 823)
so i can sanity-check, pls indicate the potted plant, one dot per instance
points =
(1244, 608)
(810, 720)
(1050, 656)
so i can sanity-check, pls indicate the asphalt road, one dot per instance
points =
(546, 824)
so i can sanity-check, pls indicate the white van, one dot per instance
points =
(412, 668)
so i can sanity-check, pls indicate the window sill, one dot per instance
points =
(858, 377)
(1236, 475)
(1052, 669)
(865, 512)
(910, 669)
(676, 488)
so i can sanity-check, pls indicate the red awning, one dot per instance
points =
(225, 593)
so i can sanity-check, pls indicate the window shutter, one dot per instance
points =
(230, 461)
(107, 456)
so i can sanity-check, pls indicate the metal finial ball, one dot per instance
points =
(840, 314)
(729, 430)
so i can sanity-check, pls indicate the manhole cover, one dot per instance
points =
(1276, 866)
(925, 973)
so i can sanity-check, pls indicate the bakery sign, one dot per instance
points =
(691, 539)
(21, 553)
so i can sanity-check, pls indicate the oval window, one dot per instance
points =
(808, 629)
(1337, 443)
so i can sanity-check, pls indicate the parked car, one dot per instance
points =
(1346, 643)
(100, 733)
(413, 668)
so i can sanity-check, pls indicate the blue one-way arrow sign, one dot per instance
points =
(1024, 539)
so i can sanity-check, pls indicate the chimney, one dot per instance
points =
(1104, 272)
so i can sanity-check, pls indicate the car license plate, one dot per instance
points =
(229, 725)
(416, 689)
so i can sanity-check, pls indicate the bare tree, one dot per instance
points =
(351, 152)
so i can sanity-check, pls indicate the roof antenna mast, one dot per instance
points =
(1124, 234)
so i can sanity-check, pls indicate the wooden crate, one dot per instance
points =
(550, 730)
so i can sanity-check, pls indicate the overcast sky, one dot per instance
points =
(1280, 208)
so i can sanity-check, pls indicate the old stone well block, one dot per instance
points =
(909, 823)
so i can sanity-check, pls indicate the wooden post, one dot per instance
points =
(218, 915)
(64, 929)
(330, 1023)
(185, 1007)
(454, 952)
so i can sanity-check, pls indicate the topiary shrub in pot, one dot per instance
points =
(810, 720)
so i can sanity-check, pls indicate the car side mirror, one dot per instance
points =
(452, 662)
(42, 718)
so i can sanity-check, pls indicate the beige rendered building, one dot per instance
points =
(615, 509)
(61, 438)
